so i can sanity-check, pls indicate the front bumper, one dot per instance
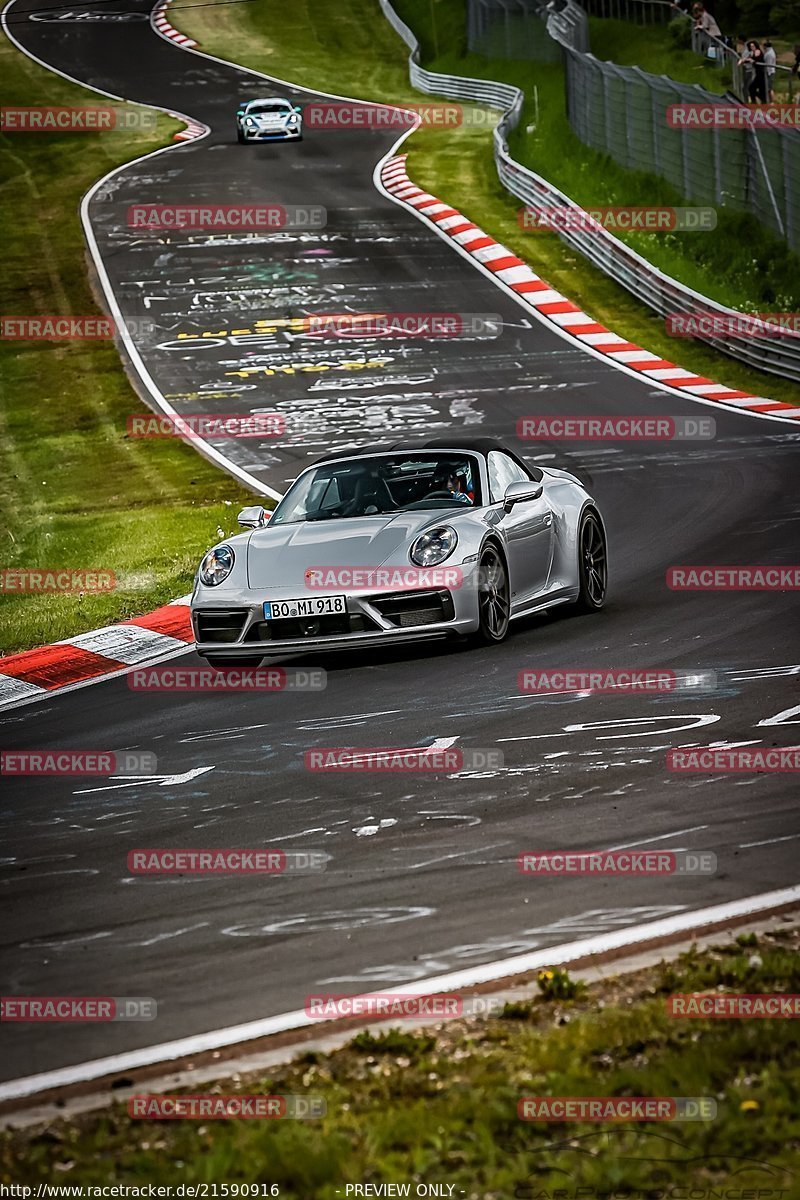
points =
(233, 626)
(273, 135)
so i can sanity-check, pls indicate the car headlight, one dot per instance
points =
(434, 547)
(292, 119)
(249, 121)
(216, 566)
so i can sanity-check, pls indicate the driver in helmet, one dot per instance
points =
(459, 484)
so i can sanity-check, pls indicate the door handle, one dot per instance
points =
(547, 519)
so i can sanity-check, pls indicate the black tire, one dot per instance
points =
(240, 137)
(592, 564)
(494, 598)
(219, 662)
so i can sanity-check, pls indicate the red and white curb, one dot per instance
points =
(193, 129)
(92, 656)
(162, 25)
(547, 302)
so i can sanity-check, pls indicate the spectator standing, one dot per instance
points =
(758, 92)
(754, 72)
(746, 62)
(705, 24)
(770, 59)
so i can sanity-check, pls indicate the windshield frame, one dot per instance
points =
(477, 462)
(256, 107)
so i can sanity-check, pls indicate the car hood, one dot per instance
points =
(270, 119)
(281, 555)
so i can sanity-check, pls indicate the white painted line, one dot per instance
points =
(663, 837)
(519, 964)
(789, 837)
(436, 747)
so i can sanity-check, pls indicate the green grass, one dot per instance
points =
(652, 48)
(350, 49)
(440, 1106)
(74, 491)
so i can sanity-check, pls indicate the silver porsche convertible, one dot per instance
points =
(380, 546)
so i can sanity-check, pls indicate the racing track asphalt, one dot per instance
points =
(422, 876)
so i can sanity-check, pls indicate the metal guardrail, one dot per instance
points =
(568, 24)
(660, 292)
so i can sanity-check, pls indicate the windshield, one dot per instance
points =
(270, 106)
(386, 484)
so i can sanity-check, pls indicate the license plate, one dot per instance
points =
(314, 606)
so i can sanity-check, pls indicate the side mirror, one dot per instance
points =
(518, 493)
(297, 109)
(253, 517)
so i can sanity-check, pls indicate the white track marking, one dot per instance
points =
(782, 718)
(437, 745)
(790, 837)
(233, 1035)
(661, 838)
(140, 780)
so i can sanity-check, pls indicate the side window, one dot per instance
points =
(502, 471)
(323, 494)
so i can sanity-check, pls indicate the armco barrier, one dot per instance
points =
(657, 290)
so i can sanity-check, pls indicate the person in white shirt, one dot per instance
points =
(770, 59)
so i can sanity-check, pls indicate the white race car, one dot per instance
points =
(271, 119)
